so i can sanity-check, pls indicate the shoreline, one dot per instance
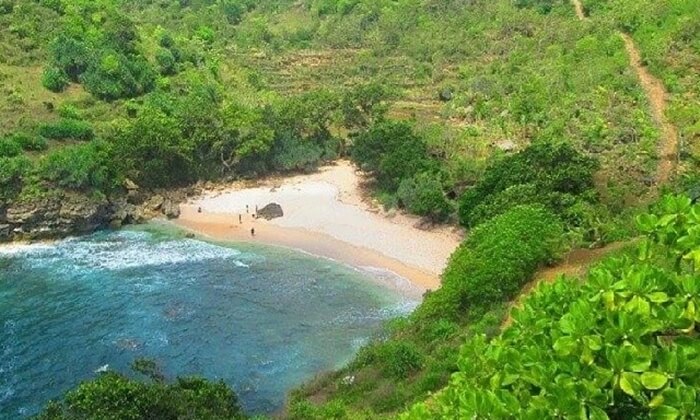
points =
(326, 214)
(221, 228)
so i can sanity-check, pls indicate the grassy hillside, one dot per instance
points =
(514, 119)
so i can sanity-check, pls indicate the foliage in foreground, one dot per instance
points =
(114, 396)
(623, 345)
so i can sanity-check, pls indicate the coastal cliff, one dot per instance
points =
(70, 213)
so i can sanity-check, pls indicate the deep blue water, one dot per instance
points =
(262, 319)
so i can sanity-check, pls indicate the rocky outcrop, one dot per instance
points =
(73, 213)
(55, 216)
(171, 210)
(271, 211)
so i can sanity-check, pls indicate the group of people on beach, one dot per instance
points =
(240, 217)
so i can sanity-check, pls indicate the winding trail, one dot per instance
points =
(658, 100)
(577, 261)
(575, 264)
(579, 9)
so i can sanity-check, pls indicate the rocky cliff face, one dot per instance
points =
(53, 217)
(72, 213)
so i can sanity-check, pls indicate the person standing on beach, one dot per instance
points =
(252, 231)
(240, 219)
(246, 209)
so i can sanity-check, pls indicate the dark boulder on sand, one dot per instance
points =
(271, 211)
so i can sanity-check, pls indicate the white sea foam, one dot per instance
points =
(123, 250)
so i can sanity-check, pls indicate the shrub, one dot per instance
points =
(67, 128)
(399, 358)
(29, 142)
(54, 79)
(9, 148)
(423, 195)
(70, 56)
(392, 152)
(116, 397)
(12, 173)
(70, 112)
(167, 65)
(547, 167)
(113, 75)
(495, 261)
(294, 154)
(81, 168)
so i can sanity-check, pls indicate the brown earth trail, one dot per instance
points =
(658, 98)
(579, 9)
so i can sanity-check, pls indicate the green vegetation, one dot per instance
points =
(495, 261)
(666, 33)
(114, 396)
(67, 129)
(622, 345)
(511, 118)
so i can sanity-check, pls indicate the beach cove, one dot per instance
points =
(326, 214)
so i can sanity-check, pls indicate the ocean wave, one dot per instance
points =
(122, 250)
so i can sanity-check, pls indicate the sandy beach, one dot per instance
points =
(326, 214)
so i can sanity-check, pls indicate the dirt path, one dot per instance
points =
(658, 98)
(579, 9)
(575, 264)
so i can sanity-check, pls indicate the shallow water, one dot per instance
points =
(262, 319)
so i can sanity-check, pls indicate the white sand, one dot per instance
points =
(330, 202)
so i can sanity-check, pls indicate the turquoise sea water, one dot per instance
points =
(262, 319)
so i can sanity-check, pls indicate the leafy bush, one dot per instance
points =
(541, 169)
(495, 261)
(54, 79)
(28, 142)
(423, 195)
(12, 173)
(294, 154)
(167, 65)
(81, 168)
(69, 111)
(116, 397)
(623, 345)
(67, 129)
(9, 148)
(70, 56)
(392, 152)
(113, 76)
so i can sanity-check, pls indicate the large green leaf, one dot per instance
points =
(630, 383)
(595, 413)
(564, 346)
(664, 412)
(653, 380)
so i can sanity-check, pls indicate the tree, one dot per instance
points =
(423, 195)
(392, 152)
(547, 167)
(114, 396)
(54, 79)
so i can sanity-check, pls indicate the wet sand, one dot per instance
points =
(326, 214)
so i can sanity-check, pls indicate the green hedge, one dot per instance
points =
(495, 261)
(67, 129)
